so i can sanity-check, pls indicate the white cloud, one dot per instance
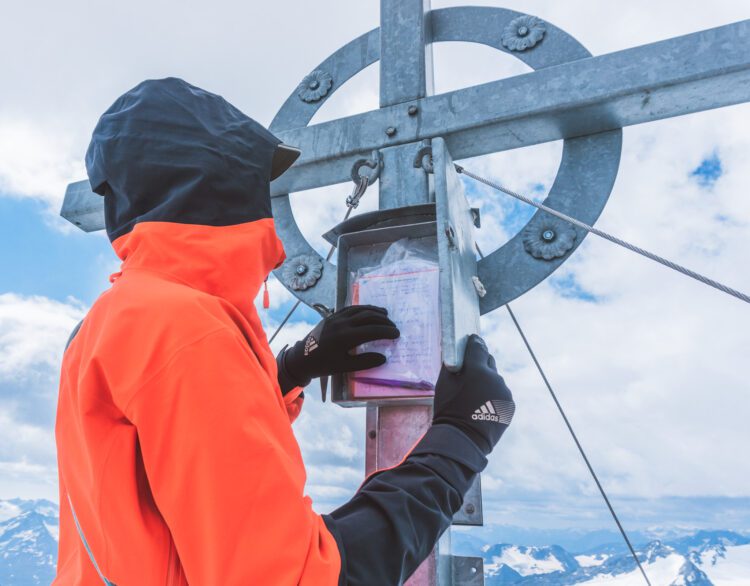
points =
(33, 331)
(35, 163)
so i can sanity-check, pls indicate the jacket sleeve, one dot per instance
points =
(225, 469)
(398, 514)
(294, 401)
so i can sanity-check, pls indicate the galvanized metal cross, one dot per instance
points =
(571, 95)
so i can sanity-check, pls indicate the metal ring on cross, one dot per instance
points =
(584, 180)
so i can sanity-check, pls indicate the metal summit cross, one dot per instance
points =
(571, 95)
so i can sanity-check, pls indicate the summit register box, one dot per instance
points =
(397, 268)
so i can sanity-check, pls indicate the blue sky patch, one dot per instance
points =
(568, 287)
(709, 171)
(38, 259)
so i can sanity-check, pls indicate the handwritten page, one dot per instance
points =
(408, 288)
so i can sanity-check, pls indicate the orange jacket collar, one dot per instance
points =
(227, 261)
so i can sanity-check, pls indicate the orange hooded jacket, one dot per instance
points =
(172, 432)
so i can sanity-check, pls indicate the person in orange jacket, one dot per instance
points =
(176, 457)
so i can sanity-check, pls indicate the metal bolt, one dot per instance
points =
(301, 269)
(451, 235)
(548, 235)
(314, 84)
(390, 131)
(371, 434)
(413, 110)
(523, 31)
(470, 509)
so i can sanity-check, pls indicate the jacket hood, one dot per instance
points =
(186, 183)
(169, 151)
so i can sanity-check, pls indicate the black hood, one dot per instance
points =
(167, 151)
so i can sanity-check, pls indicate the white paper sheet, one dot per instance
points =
(408, 288)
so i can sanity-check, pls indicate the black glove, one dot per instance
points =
(476, 399)
(325, 350)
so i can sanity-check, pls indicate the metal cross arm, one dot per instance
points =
(696, 72)
(691, 73)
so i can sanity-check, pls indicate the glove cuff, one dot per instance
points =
(451, 442)
(287, 380)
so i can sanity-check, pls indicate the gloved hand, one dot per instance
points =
(476, 399)
(326, 349)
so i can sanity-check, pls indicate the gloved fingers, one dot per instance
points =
(476, 351)
(362, 334)
(370, 317)
(364, 361)
(356, 309)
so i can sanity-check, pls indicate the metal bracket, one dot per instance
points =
(467, 571)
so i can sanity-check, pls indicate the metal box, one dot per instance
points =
(362, 249)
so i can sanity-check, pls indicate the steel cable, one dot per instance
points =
(575, 436)
(351, 202)
(667, 263)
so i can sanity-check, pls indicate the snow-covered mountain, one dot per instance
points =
(706, 558)
(29, 530)
(28, 542)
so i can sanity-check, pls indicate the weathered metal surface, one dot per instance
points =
(405, 51)
(459, 302)
(405, 75)
(83, 207)
(670, 78)
(467, 571)
(471, 512)
(400, 183)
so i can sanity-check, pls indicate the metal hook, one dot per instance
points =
(375, 162)
(423, 159)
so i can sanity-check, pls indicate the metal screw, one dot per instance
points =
(470, 509)
(548, 235)
(451, 235)
(390, 131)
(523, 31)
(301, 269)
(371, 434)
(413, 110)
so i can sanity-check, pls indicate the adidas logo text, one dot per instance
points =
(310, 345)
(495, 411)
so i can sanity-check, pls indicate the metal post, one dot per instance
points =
(405, 76)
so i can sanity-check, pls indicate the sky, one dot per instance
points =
(649, 364)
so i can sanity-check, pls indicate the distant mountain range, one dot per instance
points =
(704, 558)
(29, 531)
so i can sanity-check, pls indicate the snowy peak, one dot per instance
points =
(28, 542)
(527, 560)
(706, 558)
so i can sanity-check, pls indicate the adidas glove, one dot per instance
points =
(476, 399)
(326, 349)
